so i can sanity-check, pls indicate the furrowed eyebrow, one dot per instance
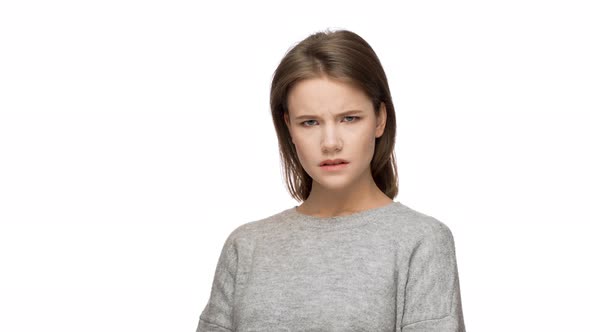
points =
(305, 116)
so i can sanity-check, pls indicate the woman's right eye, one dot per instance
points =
(304, 122)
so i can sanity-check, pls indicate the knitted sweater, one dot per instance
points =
(389, 268)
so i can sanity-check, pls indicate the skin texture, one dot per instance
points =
(327, 135)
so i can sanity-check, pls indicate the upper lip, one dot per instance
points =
(332, 161)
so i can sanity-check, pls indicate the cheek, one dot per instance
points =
(304, 148)
(307, 153)
(366, 145)
(365, 137)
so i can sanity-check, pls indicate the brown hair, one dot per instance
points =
(345, 56)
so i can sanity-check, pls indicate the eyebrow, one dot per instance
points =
(313, 116)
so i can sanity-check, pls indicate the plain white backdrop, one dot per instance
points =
(136, 135)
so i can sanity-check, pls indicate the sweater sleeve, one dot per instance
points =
(432, 294)
(217, 315)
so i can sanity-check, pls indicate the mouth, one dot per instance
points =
(333, 162)
(334, 167)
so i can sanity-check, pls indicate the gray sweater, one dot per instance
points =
(389, 268)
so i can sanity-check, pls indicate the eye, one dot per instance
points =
(304, 122)
(354, 118)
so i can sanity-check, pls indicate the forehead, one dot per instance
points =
(324, 93)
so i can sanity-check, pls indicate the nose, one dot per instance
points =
(331, 140)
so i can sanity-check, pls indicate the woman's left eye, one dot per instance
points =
(355, 117)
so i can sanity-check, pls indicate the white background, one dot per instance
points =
(136, 135)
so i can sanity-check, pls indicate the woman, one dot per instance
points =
(348, 258)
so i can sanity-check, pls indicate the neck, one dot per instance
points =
(329, 203)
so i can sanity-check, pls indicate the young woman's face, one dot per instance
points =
(330, 119)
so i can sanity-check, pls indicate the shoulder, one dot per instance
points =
(415, 226)
(252, 230)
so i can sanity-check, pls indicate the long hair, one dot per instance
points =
(345, 56)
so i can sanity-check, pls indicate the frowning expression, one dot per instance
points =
(332, 119)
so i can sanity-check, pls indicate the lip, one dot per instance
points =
(334, 167)
(333, 161)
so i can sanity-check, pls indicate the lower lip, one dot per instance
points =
(334, 167)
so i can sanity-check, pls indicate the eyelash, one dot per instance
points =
(356, 118)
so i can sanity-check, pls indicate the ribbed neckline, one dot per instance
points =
(338, 222)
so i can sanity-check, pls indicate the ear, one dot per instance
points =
(286, 118)
(288, 123)
(381, 121)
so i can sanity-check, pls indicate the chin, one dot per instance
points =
(333, 184)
